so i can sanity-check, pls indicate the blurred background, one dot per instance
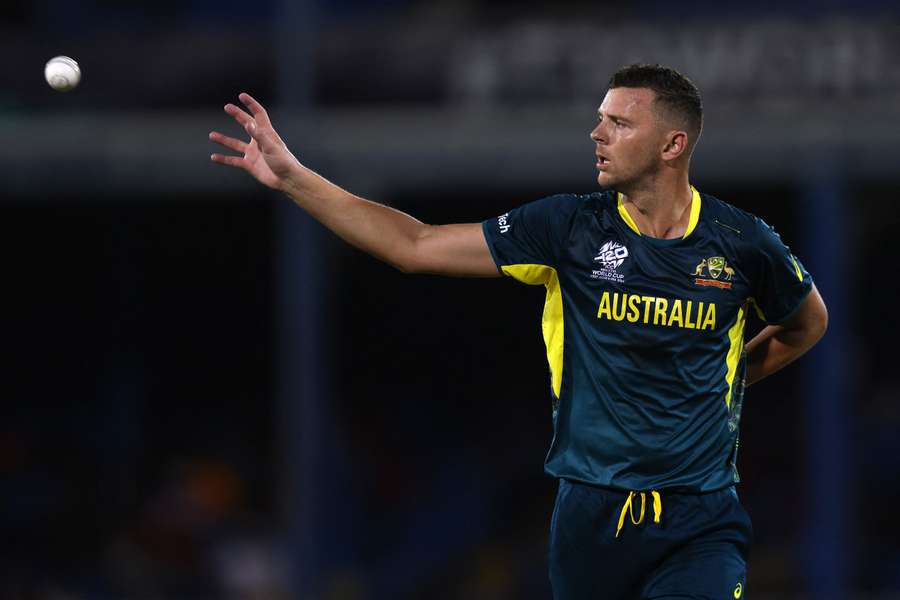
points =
(206, 395)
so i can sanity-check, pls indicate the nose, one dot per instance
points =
(596, 134)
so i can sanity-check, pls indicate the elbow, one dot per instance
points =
(816, 319)
(406, 267)
(410, 259)
(817, 324)
(408, 264)
(821, 323)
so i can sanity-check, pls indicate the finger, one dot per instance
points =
(231, 161)
(239, 115)
(229, 142)
(256, 109)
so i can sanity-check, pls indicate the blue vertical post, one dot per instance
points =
(827, 385)
(302, 369)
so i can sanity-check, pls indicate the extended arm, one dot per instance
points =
(778, 345)
(386, 233)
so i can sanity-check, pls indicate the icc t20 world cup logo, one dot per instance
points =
(611, 255)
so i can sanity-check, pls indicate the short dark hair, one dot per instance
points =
(675, 94)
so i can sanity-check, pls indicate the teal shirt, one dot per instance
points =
(645, 336)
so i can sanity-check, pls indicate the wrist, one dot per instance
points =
(294, 181)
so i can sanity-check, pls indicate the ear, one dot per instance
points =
(676, 145)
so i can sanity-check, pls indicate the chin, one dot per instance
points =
(605, 181)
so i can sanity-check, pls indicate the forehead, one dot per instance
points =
(628, 102)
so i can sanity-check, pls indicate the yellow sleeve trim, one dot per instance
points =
(797, 268)
(759, 312)
(692, 221)
(736, 347)
(552, 320)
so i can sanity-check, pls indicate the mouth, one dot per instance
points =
(602, 162)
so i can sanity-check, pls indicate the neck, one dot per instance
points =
(661, 207)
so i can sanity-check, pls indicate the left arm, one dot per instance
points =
(778, 345)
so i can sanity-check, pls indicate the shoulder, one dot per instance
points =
(547, 218)
(750, 235)
(559, 208)
(743, 227)
(724, 216)
(567, 202)
(602, 200)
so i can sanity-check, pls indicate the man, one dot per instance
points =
(648, 287)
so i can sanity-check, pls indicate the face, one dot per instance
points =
(628, 138)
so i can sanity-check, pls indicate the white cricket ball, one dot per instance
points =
(62, 73)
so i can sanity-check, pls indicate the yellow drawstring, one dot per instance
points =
(628, 508)
(657, 506)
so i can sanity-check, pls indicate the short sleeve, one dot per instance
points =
(781, 283)
(532, 234)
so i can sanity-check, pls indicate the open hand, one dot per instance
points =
(265, 156)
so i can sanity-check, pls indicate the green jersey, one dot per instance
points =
(645, 336)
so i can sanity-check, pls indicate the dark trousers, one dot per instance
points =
(698, 549)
